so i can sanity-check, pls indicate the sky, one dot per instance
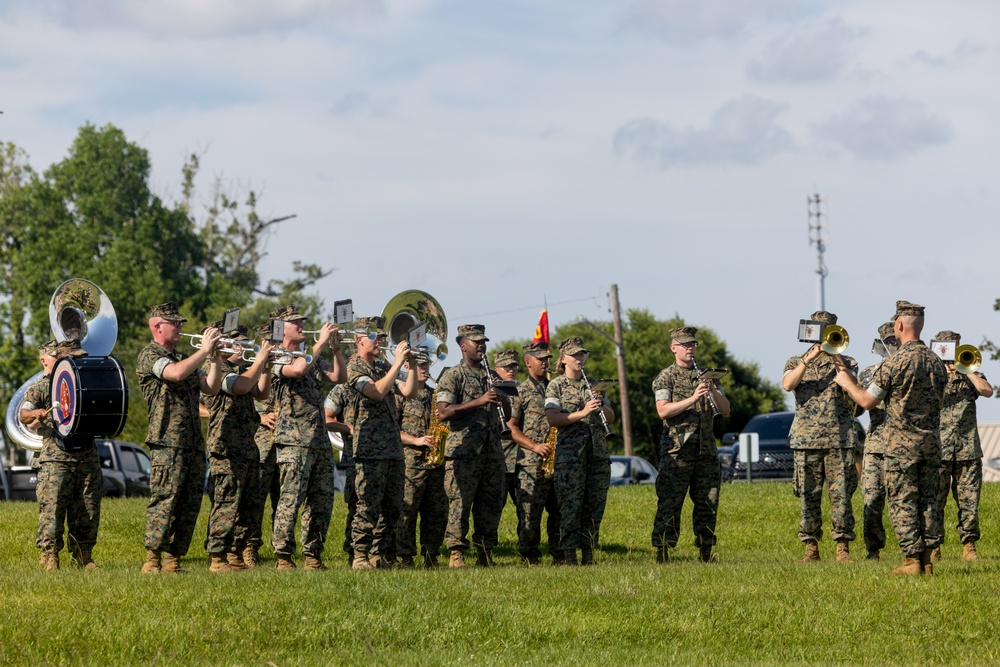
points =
(508, 154)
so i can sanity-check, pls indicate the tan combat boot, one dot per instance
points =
(936, 554)
(171, 563)
(251, 557)
(217, 563)
(910, 566)
(284, 563)
(925, 562)
(569, 556)
(812, 552)
(152, 564)
(587, 556)
(969, 551)
(84, 560)
(49, 562)
(457, 559)
(314, 563)
(662, 555)
(362, 562)
(235, 560)
(844, 552)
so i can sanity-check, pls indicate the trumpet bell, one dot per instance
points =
(968, 359)
(410, 308)
(835, 339)
(80, 310)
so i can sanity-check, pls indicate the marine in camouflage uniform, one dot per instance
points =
(961, 451)
(171, 382)
(911, 383)
(689, 459)
(583, 464)
(304, 453)
(823, 440)
(873, 468)
(339, 410)
(530, 428)
(423, 491)
(378, 451)
(70, 485)
(474, 460)
(506, 366)
(233, 463)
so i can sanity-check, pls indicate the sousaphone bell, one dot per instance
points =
(408, 310)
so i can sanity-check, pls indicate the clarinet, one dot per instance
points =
(504, 429)
(716, 412)
(608, 433)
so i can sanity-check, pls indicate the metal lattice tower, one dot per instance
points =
(819, 234)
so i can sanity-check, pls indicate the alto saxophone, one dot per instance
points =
(547, 469)
(434, 456)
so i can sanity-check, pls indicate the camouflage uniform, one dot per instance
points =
(583, 466)
(70, 485)
(378, 460)
(823, 440)
(474, 461)
(961, 454)
(511, 450)
(689, 462)
(912, 383)
(305, 461)
(268, 482)
(535, 493)
(873, 470)
(177, 450)
(233, 464)
(339, 402)
(423, 493)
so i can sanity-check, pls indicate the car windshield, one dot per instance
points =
(770, 427)
(619, 469)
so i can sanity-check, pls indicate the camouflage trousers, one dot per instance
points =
(912, 489)
(536, 494)
(234, 491)
(69, 493)
(836, 468)
(423, 496)
(699, 476)
(873, 491)
(511, 485)
(379, 485)
(474, 487)
(351, 500)
(965, 480)
(306, 482)
(175, 490)
(582, 491)
(268, 485)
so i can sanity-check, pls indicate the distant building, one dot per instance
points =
(989, 434)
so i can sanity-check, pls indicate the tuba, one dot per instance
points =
(78, 310)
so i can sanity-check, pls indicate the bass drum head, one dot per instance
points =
(92, 393)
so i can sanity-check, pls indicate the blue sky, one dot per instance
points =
(497, 154)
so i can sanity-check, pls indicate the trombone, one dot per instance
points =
(278, 356)
(968, 359)
(834, 339)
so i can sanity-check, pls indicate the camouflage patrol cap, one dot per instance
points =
(508, 357)
(824, 317)
(948, 335)
(539, 350)
(572, 345)
(287, 313)
(370, 324)
(49, 349)
(682, 335)
(907, 309)
(167, 311)
(70, 348)
(419, 359)
(474, 332)
(239, 333)
(886, 330)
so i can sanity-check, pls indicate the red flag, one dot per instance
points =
(542, 330)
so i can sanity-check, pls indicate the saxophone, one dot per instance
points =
(434, 456)
(547, 468)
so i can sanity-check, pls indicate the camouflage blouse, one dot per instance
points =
(477, 431)
(173, 406)
(415, 418)
(376, 430)
(339, 402)
(959, 427)
(233, 420)
(568, 395)
(677, 383)
(299, 405)
(39, 396)
(824, 413)
(875, 441)
(528, 412)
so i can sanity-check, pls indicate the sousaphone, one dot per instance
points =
(408, 310)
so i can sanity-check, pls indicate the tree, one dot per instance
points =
(647, 351)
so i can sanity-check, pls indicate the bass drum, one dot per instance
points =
(92, 393)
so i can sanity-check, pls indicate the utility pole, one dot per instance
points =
(622, 377)
(819, 234)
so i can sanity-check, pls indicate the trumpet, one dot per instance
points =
(278, 356)
(224, 345)
(968, 359)
(834, 339)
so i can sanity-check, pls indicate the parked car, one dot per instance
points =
(776, 458)
(631, 470)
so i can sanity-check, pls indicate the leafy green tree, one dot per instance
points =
(647, 351)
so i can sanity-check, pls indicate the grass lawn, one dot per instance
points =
(757, 605)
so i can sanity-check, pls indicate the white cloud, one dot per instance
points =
(884, 129)
(742, 131)
(814, 55)
(687, 21)
(962, 52)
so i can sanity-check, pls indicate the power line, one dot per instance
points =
(523, 308)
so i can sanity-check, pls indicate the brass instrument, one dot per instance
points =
(547, 468)
(968, 359)
(279, 356)
(834, 339)
(224, 345)
(434, 456)
(408, 310)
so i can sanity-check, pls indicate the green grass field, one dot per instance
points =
(757, 605)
